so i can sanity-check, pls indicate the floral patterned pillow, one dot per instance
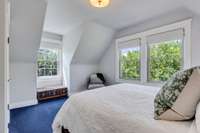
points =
(178, 98)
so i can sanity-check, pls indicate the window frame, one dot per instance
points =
(148, 62)
(120, 47)
(59, 59)
(49, 44)
(185, 25)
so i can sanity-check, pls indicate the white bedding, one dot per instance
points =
(123, 108)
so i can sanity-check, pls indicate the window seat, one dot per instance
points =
(51, 92)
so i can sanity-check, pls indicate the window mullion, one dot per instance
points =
(144, 60)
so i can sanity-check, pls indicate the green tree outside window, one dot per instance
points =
(165, 60)
(47, 61)
(130, 63)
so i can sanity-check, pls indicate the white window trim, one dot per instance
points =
(186, 25)
(59, 66)
(130, 45)
(50, 44)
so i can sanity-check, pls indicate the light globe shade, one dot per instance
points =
(100, 3)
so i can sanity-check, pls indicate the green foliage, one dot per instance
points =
(164, 61)
(47, 62)
(130, 65)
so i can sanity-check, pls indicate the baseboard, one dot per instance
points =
(23, 104)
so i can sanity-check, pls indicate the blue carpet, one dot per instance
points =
(35, 119)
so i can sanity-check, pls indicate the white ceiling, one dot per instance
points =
(62, 15)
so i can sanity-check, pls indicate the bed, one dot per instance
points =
(122, 108)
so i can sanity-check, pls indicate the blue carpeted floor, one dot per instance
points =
(35, 119)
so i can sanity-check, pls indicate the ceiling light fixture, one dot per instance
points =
(100, 3)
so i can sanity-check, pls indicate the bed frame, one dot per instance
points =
(65, 130)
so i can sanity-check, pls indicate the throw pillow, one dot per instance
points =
(178, 98)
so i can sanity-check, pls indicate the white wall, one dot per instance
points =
(196, 40)
(70, 43)
(3, 125)
(107, 64)
(23, 84)
(79, 74)
(27, 17)
(93, 43)
(83, 48)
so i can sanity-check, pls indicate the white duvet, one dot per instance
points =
(123, 108)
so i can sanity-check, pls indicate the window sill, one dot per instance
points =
(47, 78)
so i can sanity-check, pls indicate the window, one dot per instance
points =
(130, 60)
(48, 62)
(156, 55)
(165, 54)
(165, 58)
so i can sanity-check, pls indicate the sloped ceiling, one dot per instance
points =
(27, 18)
(63, 15)
(93, 42)
(70, 44)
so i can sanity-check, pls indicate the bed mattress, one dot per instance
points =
(122, 108)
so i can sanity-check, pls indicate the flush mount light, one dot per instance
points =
(100, 3)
